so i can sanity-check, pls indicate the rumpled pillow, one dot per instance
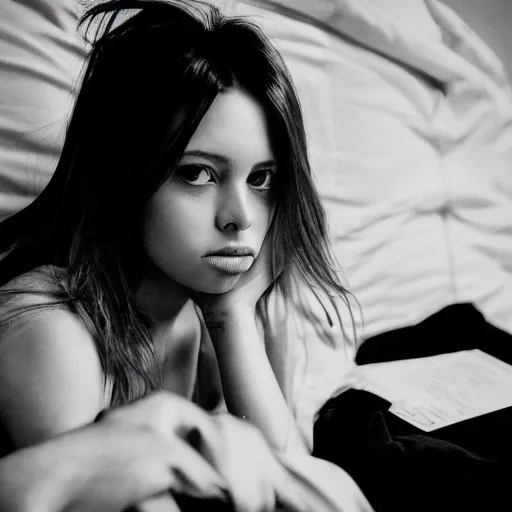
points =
(41, 56)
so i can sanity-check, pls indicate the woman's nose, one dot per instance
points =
(234, 211)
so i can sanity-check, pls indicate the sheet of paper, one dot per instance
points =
(434, 392)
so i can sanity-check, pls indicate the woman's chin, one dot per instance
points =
(217, 286)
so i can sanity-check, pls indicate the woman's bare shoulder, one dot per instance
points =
(36, 286)
(50, 372)
(34, 307)
(29, 295)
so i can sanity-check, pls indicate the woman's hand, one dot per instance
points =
(150, 452)
(208, 457)
(130, 454)
(163, 454)
(248, 290)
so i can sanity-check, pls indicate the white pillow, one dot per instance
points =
(40, 58)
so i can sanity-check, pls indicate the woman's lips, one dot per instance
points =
(230, 264)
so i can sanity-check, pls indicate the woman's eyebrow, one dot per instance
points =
(219, 159)
(222, 160)
(265, 164)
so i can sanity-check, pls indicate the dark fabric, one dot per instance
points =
(466, 466)
(188, 504)
(456, 327)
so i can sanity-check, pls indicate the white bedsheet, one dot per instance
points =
(417, 179)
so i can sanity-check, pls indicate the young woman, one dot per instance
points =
(181, 207)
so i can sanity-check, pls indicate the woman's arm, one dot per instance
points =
(251, 389)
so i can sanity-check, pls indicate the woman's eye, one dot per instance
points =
(262, 180)
(195, 174)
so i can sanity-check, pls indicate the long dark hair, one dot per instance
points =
(149, 81)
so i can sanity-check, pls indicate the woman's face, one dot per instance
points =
(206, 225)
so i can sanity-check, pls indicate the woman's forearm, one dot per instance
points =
(250, 387)
(45, 477)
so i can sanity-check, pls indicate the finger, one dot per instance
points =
(203, 432)
(196, 446)
(171, 416)
(163, 502)
(193, 475)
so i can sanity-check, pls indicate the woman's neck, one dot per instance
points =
(160, 297)
(169, 307)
